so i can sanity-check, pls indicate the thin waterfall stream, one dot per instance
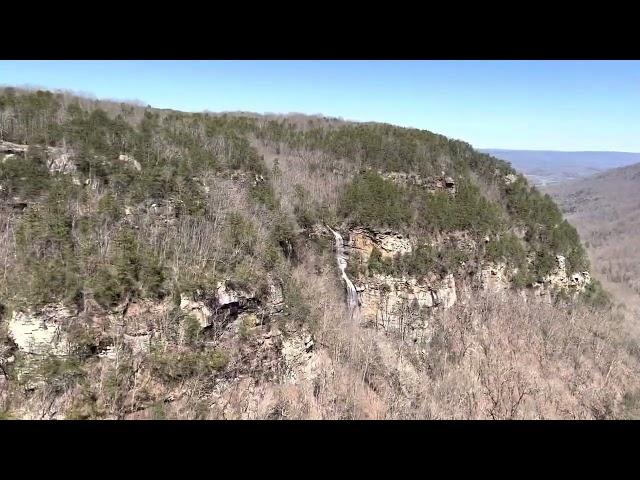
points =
(353, 302)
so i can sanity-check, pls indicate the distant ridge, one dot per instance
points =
(545, 167)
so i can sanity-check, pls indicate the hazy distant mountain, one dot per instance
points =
(544, 167)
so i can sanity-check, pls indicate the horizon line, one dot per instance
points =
(554, 151)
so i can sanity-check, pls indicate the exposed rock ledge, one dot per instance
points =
(390, 301)
(494, 278)
(40, 333)
(559, 280)
(389, 243)
(58, 159)
(10, 148)
(43, 332)
(432, 184)
(393, 302)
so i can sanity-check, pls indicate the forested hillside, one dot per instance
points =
(184, 263)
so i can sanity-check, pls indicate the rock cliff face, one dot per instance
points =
(389, 243)
(493, 278)
(40, 332)
(559, 280)
(198, 309)
(242, 324)
(58, 159)
(397, 303)
(45, 331)
(402, 303)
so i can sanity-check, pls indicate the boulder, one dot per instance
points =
(510, 178)
(128, 159)
(225, 296)
(59, 161)
(197, 309)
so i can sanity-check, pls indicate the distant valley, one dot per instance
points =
(545, 167)
(599, 194)
(605, 208)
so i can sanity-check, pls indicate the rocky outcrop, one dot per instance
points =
(60, 161)
(134, 324)
(275, 300)
(41, 332)
(406, 178)
(296, 349)
(387, 242)
(301, 360)
(225, 302)
(198, 309)
(510, 178)
(580, 280)
(393, 302)
(129, 160)
(226, 296)
(493, 278)
(10, 148)
(442, 182)
(559, 281)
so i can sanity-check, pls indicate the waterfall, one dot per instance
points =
(353, 301)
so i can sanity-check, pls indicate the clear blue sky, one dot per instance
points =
(555, 105)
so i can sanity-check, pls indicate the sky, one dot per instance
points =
(539, 105)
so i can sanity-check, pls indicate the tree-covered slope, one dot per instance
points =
(203, 234)
(139, 159)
